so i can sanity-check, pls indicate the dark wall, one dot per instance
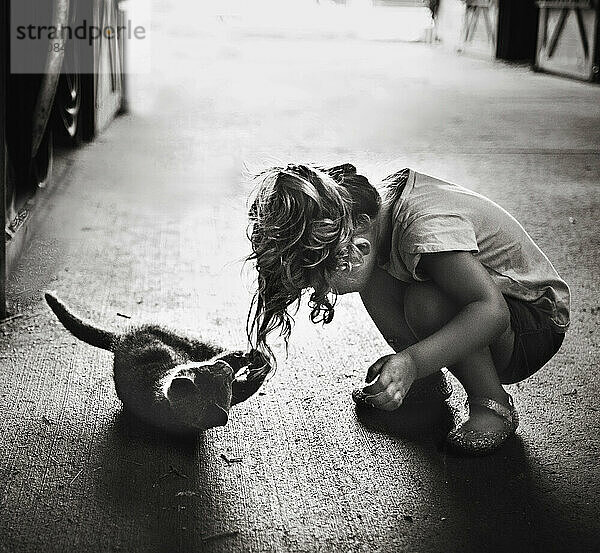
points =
(517, 30)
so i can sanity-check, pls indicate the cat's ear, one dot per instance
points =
(224, 366)
(215, 415)
(180, 388)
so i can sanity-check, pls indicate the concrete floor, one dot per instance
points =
(149, 222)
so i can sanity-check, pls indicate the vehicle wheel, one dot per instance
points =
(67, 109)
(27, 173)
(41, 164)
(71, 103)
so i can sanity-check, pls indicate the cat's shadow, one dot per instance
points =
(149, 480)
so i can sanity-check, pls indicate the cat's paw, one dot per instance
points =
(250, 376)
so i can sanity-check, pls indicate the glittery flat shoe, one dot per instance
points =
(474, 442)
(436, 388)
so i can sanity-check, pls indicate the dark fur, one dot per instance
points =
(176, 382)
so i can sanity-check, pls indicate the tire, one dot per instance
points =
(43, 162)
(73, 109)
(67, 109)
(27, 173)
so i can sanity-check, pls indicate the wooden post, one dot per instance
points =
(4, 64)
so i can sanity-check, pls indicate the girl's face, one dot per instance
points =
(356, 277)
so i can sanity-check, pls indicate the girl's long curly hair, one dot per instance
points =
(302, 220)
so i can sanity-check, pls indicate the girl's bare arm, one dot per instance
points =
(483, 314)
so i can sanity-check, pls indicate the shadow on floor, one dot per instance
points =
(151, 483)
(419, 422)
(499, 502)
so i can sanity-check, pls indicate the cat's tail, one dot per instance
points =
(79, 327)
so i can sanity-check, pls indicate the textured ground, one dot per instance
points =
(149, 222)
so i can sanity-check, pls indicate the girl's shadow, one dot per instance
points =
(503, 503)
(419, 422)
(494, 503)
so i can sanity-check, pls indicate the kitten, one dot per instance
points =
(178, 383)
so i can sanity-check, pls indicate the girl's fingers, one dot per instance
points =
(376, 400)
(375, 369)
(393, 403)
(382, 398)
(379, 386)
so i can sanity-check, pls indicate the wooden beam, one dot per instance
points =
(582, 34)
(491, 32)
(471, 22)
(557, 31)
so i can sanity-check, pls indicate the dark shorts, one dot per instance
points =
(536, 341)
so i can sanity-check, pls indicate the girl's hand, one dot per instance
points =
(396, 373)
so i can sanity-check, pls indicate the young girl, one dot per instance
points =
(449, 278)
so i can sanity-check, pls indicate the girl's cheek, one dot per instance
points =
(339, 283)
(344, 284)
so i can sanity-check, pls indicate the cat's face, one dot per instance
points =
(199, 393)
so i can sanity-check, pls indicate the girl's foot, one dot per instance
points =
(489, 425)
(483, 419)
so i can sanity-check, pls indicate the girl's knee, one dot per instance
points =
(426, 309)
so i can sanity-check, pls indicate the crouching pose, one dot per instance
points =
(448, 277)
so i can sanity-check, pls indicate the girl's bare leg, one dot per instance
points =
(383, 299)
(404, 314)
